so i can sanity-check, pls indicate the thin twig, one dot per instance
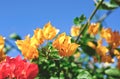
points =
(89, 19)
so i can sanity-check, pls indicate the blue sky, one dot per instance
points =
(23, 16)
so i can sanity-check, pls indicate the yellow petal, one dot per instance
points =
(92, 45)
(93, 28)
(29, 51)
(38, 37)
(72, 48)
(59, 40)
(49, 31)
(75, 31)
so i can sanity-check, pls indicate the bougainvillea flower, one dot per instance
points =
(101, 50)
(114, 41)
(112, 38)
(106, 33)
(38, 37)
(29, 51)
(107, 58)
(64, 45)
(116, 53)
(118, 64)
(18, 69)
(60, 39)
(93, 28)
(49, 31)
(75, 31)
(2, 54)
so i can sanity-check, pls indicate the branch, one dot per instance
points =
(89, 19)
(13, 46)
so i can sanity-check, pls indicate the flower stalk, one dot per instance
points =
(88, 21)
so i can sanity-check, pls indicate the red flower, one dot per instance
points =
(18, 68)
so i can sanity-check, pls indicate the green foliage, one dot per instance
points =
(79, 20)
(84, 75)
(117, 2)
(14, 36)
(113, 72)
(113, 4)
(53, 66)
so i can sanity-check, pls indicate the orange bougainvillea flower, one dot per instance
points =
(93, 28)
(106, 33)
(112, 38)
(107, 58)
(60, 39)
(29, 51)
(75, 31)
(101, 50)
(49, 31)
(2, 54)
(64, 45)
(38, 37)
(117, 53)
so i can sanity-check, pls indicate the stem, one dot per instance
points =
(88, 21)
(8, 42)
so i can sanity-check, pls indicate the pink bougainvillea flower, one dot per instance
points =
(17, 68)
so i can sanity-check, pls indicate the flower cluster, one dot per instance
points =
(40, 35)
(18, 69)
(96, 38)
(64, 45)
(56, 53)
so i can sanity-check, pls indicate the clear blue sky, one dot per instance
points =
(23, 16)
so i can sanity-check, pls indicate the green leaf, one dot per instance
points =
(79, 20)
(113, 72)
(15, 36)
(84, 75)
(115, 2)
(76, 21)
(108, 6)
(99, 70)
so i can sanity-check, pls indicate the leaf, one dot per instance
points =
(76, 21)
(115, 2)
(84, 75)
(108, 6)
(99, 70)
(15, 36)
(113, 72)
(79, 20)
